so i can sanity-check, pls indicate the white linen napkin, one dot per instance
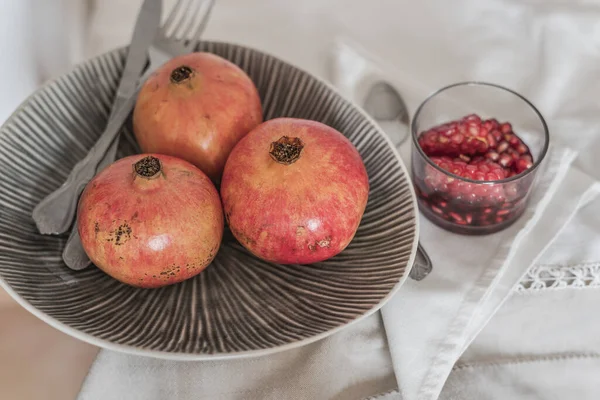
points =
(543, 342)
(430, 323)
(350, 365)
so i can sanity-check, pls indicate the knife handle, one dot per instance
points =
(73, 254)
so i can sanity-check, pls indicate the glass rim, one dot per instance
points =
(523, 174)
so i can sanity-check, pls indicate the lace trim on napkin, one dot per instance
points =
(541, 277)
(546, 358)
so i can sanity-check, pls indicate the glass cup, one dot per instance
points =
(476, 150)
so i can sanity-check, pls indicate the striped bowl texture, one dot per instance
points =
(239, 306)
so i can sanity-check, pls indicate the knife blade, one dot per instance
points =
(144, 32)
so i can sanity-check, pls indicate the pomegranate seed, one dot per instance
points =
(502, 212)
(474, 130)
(506, 128)
(483, 168)
(502, 147)
(522, 149)
(473, 118)
(505, 160)
(456, 217)
(492, 155)
(497, 135)
(437, 210)
(512, 139)
(469, 218)
(457, 138)
(465, 158)
(442, 204)
(487, 210)
(523, 165)
(499, 219)
(491, 141)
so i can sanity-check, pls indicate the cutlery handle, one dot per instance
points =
(422, 265)
(73, 254)
(54, 214)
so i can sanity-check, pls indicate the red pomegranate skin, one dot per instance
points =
(298, 213)
(199, 117)
(150, 231)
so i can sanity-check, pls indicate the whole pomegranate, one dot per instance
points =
(196, 107)
(294, 191)
(150, 220)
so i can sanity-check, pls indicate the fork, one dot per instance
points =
(54, 215)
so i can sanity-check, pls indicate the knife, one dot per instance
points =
(53, 216)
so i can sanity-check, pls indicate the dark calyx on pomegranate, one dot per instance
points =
(150, 220)
(478, 150)
(294, 191)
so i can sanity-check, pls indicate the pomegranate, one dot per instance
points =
(294, 191)
(196, 107)
(478, 150)
(150, 220)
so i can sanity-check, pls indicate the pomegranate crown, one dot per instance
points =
(181, 74)
(286, 150)
(147, 167)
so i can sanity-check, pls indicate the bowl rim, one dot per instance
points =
(183, 356)
(533, 168)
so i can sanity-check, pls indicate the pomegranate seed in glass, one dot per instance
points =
(476, 150)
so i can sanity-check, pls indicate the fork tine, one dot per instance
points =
(170, 23)
(202, 23)
(185, 25)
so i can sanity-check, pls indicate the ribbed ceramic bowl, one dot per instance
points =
(239, 306)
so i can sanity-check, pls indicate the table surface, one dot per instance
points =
(38, 361)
